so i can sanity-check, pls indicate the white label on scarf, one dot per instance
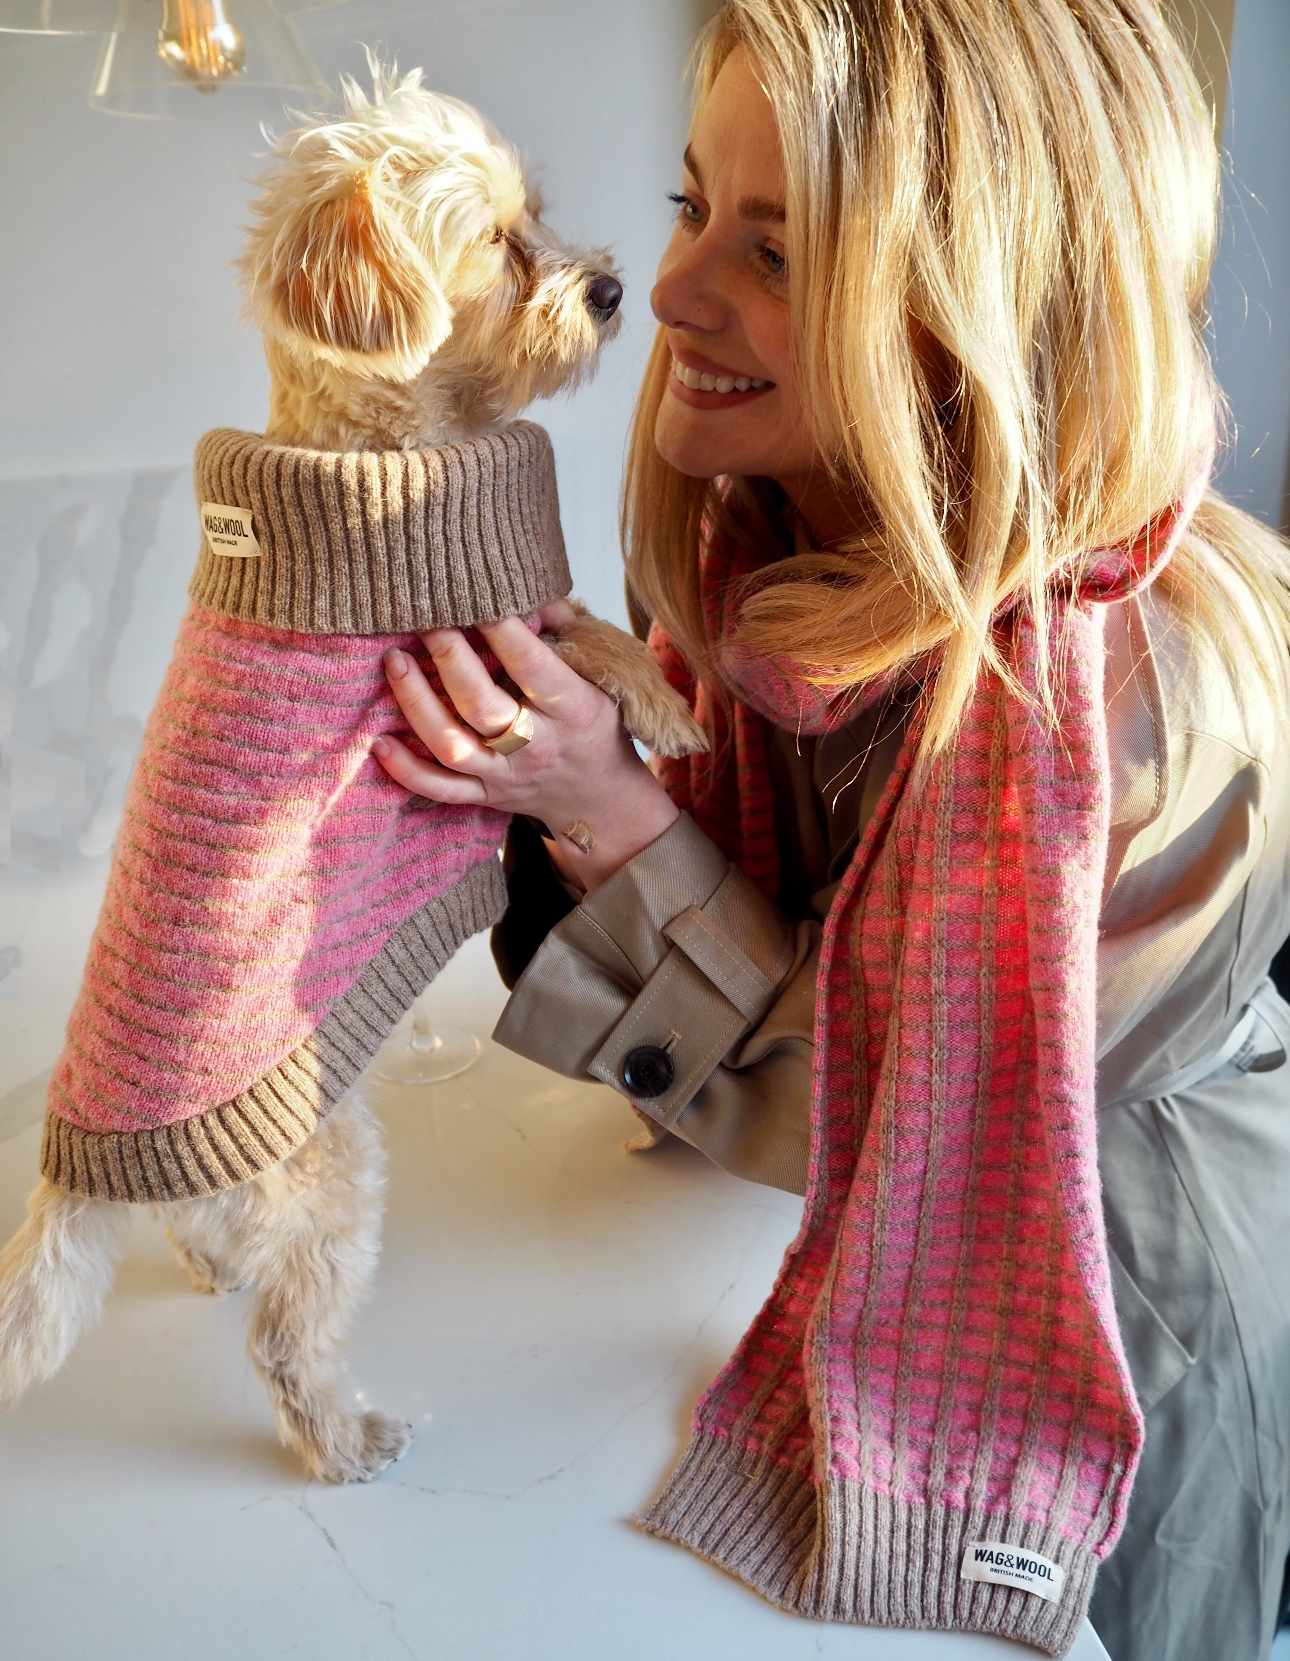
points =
(229, 532)
(1001, 1565)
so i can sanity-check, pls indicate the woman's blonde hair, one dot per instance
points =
(1001, 218)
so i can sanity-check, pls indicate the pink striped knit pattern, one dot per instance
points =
(942, 1332)
(264, 859)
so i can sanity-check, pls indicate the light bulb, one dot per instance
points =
(200, 43)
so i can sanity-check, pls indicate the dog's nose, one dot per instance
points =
(603, 296)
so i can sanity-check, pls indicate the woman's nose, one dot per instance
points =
(684, 296)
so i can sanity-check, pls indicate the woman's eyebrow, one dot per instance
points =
(747, 207)
(760, 207)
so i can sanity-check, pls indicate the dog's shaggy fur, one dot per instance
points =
(409, 296)
(408, 292)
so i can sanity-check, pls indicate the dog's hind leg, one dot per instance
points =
(54, 1276)
(323, 1227)
(307, 1234)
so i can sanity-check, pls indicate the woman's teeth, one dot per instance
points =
(714, 383)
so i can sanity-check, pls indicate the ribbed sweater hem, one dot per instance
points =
(238, 1139)
(838, 1551)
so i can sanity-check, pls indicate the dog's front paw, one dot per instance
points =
(623, 668)
(664, 722)
(363, 1450)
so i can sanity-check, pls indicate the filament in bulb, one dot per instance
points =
(199, 42)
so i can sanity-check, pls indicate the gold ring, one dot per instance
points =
(516, 736)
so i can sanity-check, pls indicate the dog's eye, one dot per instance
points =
(499, 235)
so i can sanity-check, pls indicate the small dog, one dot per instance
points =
(409, 296)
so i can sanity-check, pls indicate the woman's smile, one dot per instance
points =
(703, 384)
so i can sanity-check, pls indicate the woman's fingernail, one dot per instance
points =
(381, 746)
(396, 665)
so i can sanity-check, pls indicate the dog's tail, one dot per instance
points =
(54, 1276)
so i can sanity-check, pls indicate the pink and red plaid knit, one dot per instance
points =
(939, 1360)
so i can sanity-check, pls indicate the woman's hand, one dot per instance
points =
(580, 771)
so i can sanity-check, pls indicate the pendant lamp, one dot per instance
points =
(236, 58)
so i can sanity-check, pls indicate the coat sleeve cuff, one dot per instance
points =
(678, 951)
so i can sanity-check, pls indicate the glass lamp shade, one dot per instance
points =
(57, 17)
(96, 17)
(203, 58)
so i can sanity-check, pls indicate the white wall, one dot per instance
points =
(1250, 294)
(118, 339)
(118, 344)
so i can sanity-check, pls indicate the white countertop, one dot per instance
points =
(547, 1310)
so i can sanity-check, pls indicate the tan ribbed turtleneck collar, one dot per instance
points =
(384, 542)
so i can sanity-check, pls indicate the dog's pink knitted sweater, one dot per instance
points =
(931, 1423)
(275, 900)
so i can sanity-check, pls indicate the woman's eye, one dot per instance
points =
(687, 209)
(774, 264)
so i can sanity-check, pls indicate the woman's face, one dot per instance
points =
(722, 297)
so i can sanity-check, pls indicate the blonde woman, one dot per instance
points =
(962, 929)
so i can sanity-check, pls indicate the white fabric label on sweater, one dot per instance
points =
(229, 531)
(1001, 1565)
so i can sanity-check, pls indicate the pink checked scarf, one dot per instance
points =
(939, 1363)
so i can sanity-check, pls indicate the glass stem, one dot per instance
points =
(423, 1037)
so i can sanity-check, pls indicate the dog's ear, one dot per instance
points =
(349, 277)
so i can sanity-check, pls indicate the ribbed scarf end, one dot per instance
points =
(841, 1552)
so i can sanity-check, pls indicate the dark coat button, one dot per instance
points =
(648, 1071)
